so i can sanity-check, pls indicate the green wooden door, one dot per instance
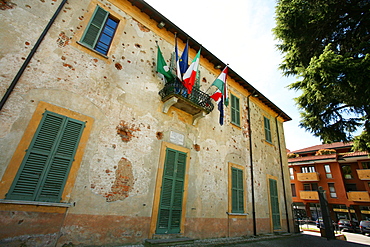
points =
(45, 167)
(274, 199)
(237, 191)
(170, 206)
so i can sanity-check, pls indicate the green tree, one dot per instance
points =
(326, 44)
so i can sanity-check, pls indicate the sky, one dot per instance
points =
(239, 33)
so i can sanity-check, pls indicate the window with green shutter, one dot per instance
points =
(274, 200)
(45, 167)
(237, 191)
(100, 31)
(267, 129)
(170, 208)
(235, 110)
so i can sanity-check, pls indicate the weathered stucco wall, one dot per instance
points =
(116, 181)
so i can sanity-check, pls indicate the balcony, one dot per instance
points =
(310, 176)
(197, 104)
(363, 174)
(309, 195)
(358, 196)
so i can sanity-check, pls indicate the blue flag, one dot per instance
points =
(221, 109)
(184, 59)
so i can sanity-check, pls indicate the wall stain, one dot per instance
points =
(6, 4)
(123, 183)
(63, 40)
(125, 131)
(143, 28)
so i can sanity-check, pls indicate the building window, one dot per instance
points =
(291, 172)
(235, 110)
(351, 187)
(333, 194)
(267, 129)
(100, 31)
(45, 167)
(308, 169)
(365, 165)
(237, 190)
(310, 187)
(328, 171)
(347, 172)
(294, 194)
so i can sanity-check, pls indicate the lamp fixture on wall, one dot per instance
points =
(161, 24)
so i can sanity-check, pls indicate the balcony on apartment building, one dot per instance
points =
(308, 177)
(309, 195)
(198, 104)
(358, 196)
(363, 174)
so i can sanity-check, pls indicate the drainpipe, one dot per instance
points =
(251, 160)
(282, 173)
(30, 55)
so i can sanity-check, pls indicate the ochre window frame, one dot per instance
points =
(268, 177)
(75, 42)
(26, 139)
(230, 213)
(267, 130)
(159, 179)
(233, 108)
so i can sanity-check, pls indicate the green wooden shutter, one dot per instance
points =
(94, 27)
(237, 191)
(235, 110)
(44, 170)
(267, 129)
(274, 199)
(170, 208)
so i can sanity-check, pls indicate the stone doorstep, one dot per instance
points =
(168, 242)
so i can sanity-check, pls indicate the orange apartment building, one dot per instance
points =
(342, 173)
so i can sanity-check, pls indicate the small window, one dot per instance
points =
(314, 187)
(306, 187)
(332, 191)
(310, 187)
(267, 129)
(328, 171)
(347, 172)
(365, 165)
(351, 187)
(308, 169)
(100, 31)
(235, 110)
(237, 191)
(294, 193)
(291, 172)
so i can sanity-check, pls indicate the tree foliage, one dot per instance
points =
(326, 44)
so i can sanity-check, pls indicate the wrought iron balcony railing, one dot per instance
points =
(175, 94)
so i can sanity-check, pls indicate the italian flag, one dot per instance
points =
(221, 85)
(191, 73)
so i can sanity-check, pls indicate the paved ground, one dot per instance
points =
(299, 240)
(305, 239)
(302, 240)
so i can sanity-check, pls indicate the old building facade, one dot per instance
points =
(98, 150)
